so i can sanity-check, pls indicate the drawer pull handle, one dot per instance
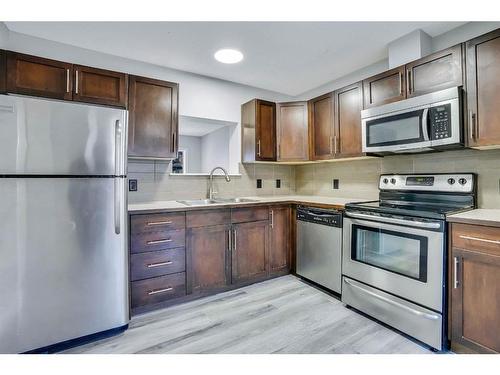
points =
(158, 241)
(158, 223)
(480, 239)
(157, 291)
(153, 265)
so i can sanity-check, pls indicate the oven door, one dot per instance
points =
(397, 132)
(401, 260)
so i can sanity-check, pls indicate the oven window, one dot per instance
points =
(398, 129)
(401, 253)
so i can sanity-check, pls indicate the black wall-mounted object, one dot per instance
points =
(132, 185)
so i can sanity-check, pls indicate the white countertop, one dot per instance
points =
(300, 199)
(480, 216)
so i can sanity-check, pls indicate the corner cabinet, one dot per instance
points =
(483, 90)
(348, 105)
(153, 118)
(292, 131)
(475, 288)
(321, 127)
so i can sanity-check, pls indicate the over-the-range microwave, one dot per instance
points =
(419, 124)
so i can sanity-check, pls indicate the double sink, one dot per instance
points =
(207, 202)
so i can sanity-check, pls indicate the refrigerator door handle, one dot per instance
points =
(118, 149)
(117, 205)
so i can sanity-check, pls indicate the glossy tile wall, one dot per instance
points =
(359, 179)
(155, 183)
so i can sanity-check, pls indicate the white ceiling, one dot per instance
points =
(286, 57)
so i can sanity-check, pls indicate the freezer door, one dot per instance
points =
(63, 260)
(48, 137)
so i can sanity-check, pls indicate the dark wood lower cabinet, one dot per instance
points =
(475, 289)
(250, 247)
(280, 241)
(208, 258)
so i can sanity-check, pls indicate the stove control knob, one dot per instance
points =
(462, 181)
(451, 181)
(386, 181)
(393, 181)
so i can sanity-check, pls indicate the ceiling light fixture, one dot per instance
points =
(228, 56)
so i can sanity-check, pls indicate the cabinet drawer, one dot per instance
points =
(142, 242)
(158, 289)
(477, 238)
(157, 263)
(241, 215)
(204, 218)
(157, 222)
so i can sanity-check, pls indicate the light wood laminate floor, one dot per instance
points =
(283, 315)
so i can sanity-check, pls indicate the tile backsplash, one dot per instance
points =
(356, 178)
(359, 178)
(155, 183)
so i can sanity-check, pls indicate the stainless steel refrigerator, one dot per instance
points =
(63, 227)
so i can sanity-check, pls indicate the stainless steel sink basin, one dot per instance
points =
(206, 202)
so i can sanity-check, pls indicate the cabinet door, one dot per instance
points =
(293, 133)
(475, 304)
(207, 258)
(483, 89)
(435, 72)
(384, 88)
(3, 71)
(265, 131)
(280, 248)
(153, 118)
(321, 127)
(36, 76)
(347, 139)
(250, 251)
(100, 86)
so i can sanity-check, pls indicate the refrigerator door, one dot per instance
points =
(48, 137)
(63, 260)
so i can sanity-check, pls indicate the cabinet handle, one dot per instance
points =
(234, 239)
(409, 83)
(173, 142)
(455, 272)
(472, 134)
(229, 240)
(272, 218)
(331, 145)
(160, 264)
(400, 83)
(335, 144)
(156, 291)
(76, 81)
(67, 80)
(258, 147)
(480, 239)
(158, 241)
(153, 223)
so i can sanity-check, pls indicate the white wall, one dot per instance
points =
(192, 145)
(215, 150)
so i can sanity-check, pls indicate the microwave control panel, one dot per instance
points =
(440, 120)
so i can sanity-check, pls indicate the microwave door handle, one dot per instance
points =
(425, 124)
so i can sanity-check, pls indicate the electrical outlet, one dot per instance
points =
(132, 185)
(259, 183)
(278, 184)
(335, 183)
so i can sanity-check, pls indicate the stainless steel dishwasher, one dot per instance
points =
(319, 246)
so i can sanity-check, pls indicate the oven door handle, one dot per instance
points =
(418, 224)
(394, 303)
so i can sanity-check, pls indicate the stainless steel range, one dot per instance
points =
(394, 255)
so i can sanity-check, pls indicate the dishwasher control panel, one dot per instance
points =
(332, 218)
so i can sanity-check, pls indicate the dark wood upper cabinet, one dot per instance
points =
(347, 139)
(250, 251)
(280, 247)
(208, 264)
(386, 87)
(3, 71)
(153, 118)
(438, 71)
(100, 86)
(36, 76)
(293, 132)
(483, 90)
(475, 289)
(265, 130)
(321, 127)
